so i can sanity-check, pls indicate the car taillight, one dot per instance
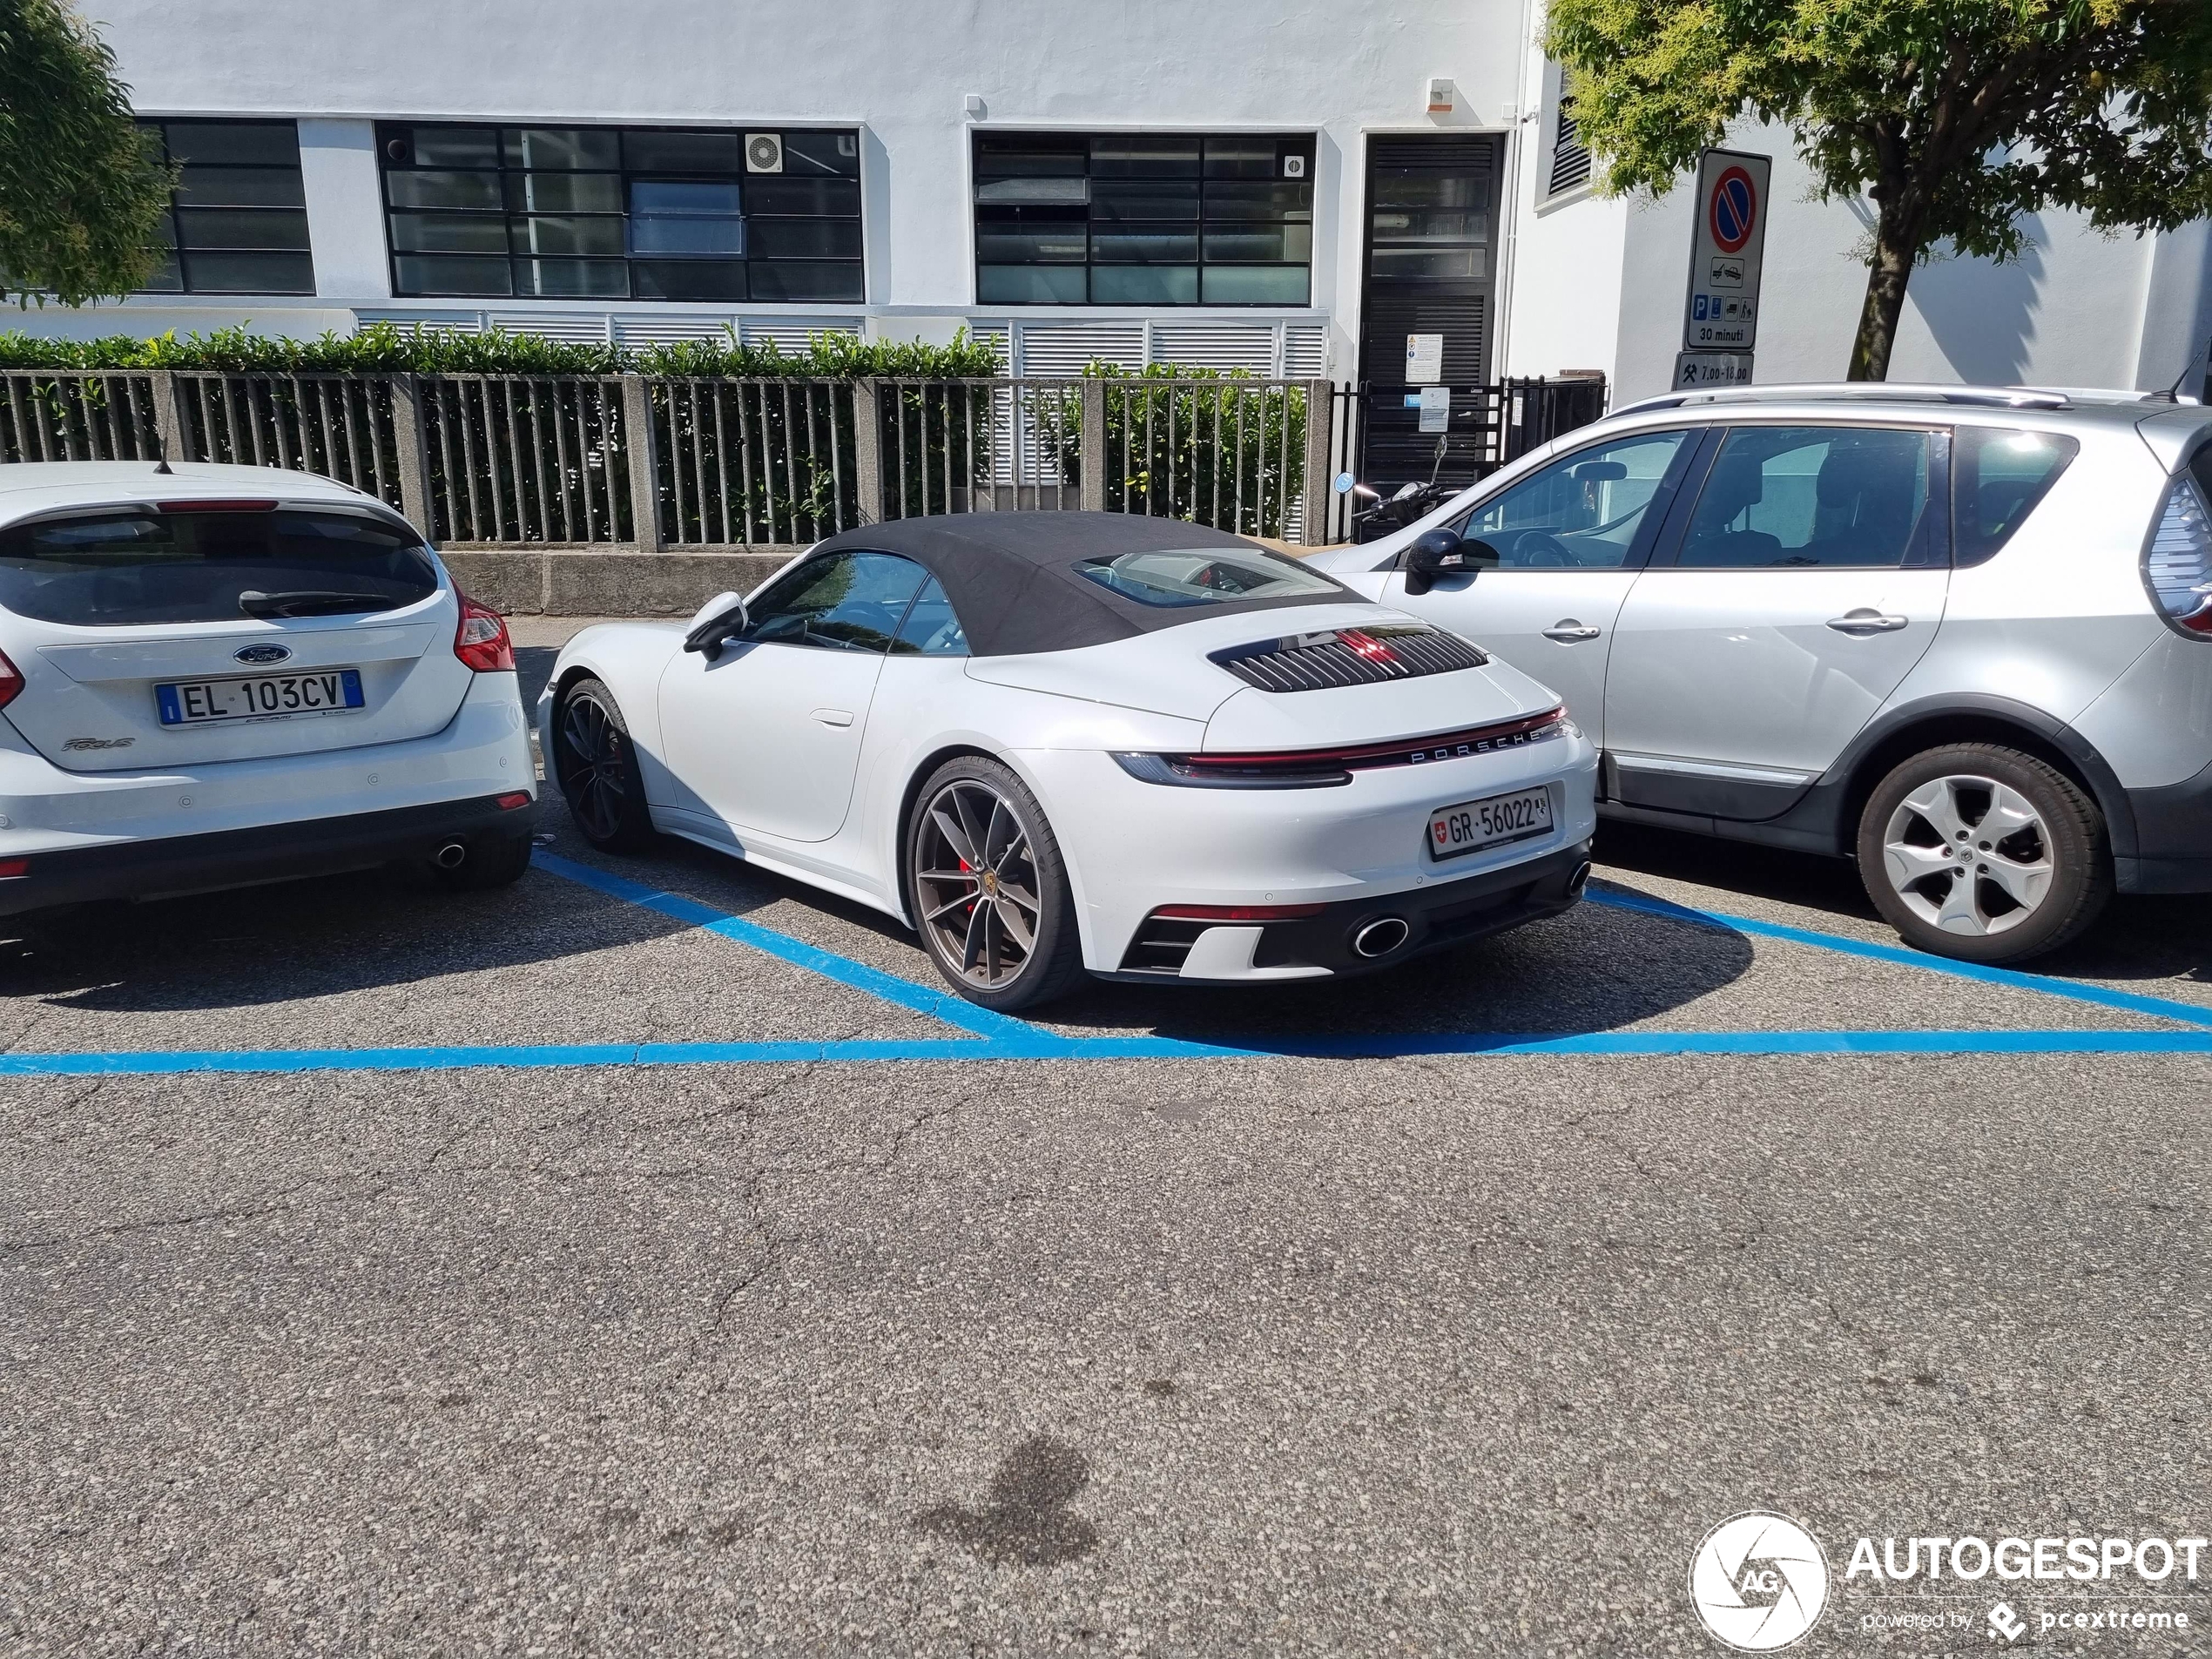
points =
(10, 680)
(482, 641)
(2177, 565)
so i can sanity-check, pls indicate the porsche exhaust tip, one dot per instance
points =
(1380, 937)
(1580, 879)
(451, 856)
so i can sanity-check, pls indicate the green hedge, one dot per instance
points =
(385, 347)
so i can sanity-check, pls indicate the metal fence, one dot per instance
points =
(625, 460)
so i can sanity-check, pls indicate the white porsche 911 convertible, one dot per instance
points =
(1053, 742)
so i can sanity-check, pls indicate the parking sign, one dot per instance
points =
(1720, 313)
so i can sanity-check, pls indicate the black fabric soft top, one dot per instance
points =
(1013, 582)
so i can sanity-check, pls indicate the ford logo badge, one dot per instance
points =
(261, 655)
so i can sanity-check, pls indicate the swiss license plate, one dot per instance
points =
(259, 697)
(1474, 824)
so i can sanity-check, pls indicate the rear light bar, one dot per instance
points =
(10, 680)
(215, 506)
(1236, 912)
(1331, 768)
(2177, 560)
(481, 640)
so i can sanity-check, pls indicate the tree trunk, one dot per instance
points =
(1895, 248)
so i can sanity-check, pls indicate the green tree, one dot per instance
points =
(1956, 117)
(81, 196)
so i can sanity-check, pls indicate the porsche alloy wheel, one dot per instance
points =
(597, 769)
(990, 896)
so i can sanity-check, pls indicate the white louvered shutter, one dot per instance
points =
(582, 328)
(458, 322)
(1248, 345)
(668, 331)
(1064, 348)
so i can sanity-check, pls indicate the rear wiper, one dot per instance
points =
(309, 602)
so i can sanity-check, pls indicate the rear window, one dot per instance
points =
(1998, 476)
(114, 569)
(1208, 577)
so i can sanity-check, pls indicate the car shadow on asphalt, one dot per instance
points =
(258, 947)
(2139, 937)
(1589, 970)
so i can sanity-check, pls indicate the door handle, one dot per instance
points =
(1863, 621)
(1567, 629)
(834, 716)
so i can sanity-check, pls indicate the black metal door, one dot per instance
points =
(1430, 268)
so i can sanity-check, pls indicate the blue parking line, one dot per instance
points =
(999, 1037)
(2073, 990)
(944, 1006)
(264, 1062)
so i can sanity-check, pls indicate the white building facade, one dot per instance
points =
(1287, 190)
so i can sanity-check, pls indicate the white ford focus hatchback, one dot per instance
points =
(216, 677)
(1059, 741)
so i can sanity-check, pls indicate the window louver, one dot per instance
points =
(1349, 656)
(1570, 161)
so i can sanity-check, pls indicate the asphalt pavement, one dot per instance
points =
(1453, 1338)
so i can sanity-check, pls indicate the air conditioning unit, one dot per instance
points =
(763, 152)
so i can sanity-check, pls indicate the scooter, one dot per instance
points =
(1412, 503)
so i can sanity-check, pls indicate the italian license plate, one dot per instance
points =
(1474, 824)
(261, 697)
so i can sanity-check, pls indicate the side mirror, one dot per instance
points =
(714, 622)
(1440, 552)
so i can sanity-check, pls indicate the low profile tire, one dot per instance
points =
(493, 862)
(1984, 853)
(989, 887)
(595, 766)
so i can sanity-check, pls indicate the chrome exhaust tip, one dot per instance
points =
(1580, 879)
(1380, 937)
(451, 856)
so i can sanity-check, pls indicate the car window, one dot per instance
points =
(1584, 510)
(1790, 497)
(1208, 577)
(113, 569)
(931, 629)
(839, 601)
(1998, 476)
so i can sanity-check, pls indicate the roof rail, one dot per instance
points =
(2013, 397)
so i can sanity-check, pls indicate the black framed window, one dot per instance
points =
(1143, 218)
(238, 221)
(710, 215)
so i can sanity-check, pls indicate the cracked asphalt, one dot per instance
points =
(1436, 1354)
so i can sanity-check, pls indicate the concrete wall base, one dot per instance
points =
(608, 581)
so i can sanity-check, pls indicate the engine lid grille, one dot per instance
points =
(1340, 657)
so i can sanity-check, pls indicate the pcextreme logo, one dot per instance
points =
(1759, 1581)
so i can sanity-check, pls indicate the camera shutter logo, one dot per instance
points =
(1759, 1581)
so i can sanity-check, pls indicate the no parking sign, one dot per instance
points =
(1725, 249)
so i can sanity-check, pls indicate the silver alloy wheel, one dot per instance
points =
(975, 883)
(1968, 855)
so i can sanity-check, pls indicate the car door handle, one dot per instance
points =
(1567, 629)
(1868, 622)
(834, 716)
